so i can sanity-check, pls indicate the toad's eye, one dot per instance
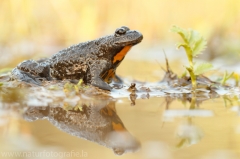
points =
(120, 31)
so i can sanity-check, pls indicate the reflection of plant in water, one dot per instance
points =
(231, 100)
(188, 132)
(226, 100)
(193, 101)
(73, 91)
(193, 44)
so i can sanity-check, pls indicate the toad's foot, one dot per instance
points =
(98, 82)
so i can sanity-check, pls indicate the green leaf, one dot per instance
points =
(202, 68)
(195, 42)
(199, 46)
(182, 32)
(188, 52)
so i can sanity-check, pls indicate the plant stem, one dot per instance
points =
(190, 68)
(193, 77)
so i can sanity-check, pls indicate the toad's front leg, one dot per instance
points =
(97, 69)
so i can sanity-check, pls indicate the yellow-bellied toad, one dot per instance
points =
(94, 61)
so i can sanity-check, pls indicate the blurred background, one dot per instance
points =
(34, 29)
(31, 29)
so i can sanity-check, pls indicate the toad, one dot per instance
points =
(95, 62)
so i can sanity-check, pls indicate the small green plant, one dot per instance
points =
(236, 78)
(193, 44)
(226, 77)
(73, 89)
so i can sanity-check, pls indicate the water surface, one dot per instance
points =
(122, 125)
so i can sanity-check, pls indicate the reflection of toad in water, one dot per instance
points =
(97, 122)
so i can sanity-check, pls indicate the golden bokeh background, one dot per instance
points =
(33, 27)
